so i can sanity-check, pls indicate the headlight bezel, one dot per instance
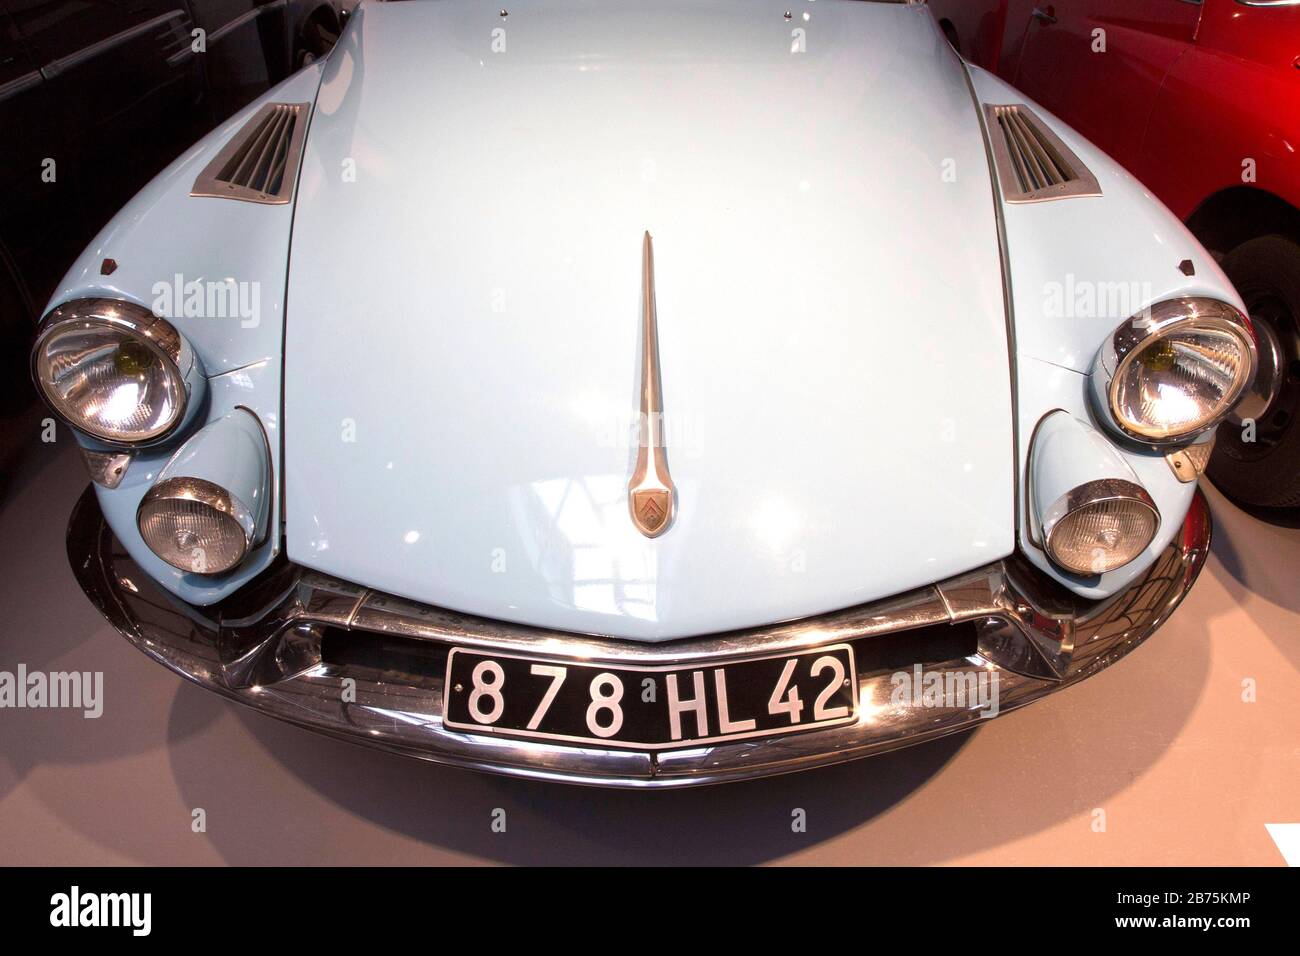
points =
(210, 495)
(162, 340)
(1087, 496)
(1146, 329)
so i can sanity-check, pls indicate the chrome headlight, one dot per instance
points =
(1166, 376)
(1088, 511)
(196, 525)
(211, 503)
(1099, 526)
(115, 371)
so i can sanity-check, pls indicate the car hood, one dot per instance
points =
(463, 318)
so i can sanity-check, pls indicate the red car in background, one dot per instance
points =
(1200, 99)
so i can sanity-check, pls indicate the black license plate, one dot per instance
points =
(649, 707)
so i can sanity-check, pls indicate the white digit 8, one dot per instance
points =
(489, 689)
(602, 701)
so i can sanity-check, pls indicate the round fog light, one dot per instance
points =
(1100, 526)
(195, 525)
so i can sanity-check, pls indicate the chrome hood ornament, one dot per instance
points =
(651, 497)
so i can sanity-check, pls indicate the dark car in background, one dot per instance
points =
(96, 96)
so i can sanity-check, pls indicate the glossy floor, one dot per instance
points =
(1158, 760)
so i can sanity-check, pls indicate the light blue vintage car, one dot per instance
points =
(642, 394)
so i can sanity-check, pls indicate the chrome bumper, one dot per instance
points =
(290, 643)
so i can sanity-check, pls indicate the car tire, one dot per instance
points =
(1265, 471)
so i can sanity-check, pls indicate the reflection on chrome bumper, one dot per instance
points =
(287, 643)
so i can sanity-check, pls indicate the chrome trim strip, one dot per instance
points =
(1032, 531)
(1018, 484)
(262, 521)
(1270, 373)
(55, 67)
(227, 28)
(21, 83)
(244, 18)
(262, 647)
(386, 614)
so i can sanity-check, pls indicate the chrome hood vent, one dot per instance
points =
(260, 163)
(1034, 165)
